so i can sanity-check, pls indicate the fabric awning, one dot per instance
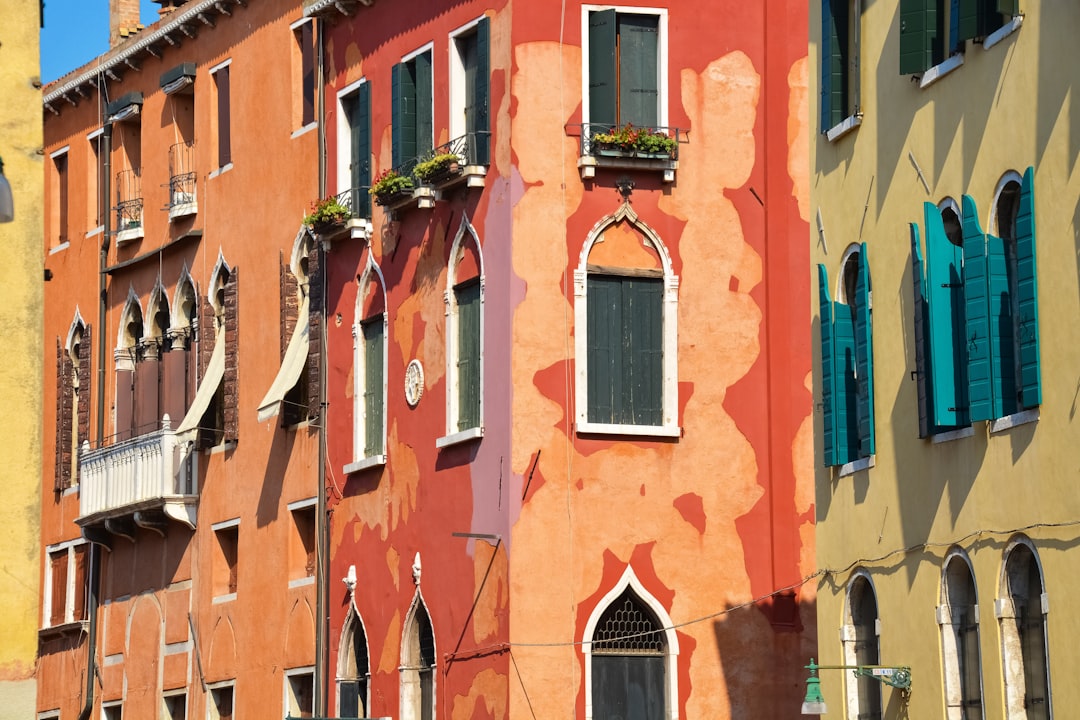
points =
(292, 365)
(215, 371)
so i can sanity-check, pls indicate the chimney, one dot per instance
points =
(168, 6)
(123, 20)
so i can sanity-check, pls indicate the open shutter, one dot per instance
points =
(603, 86)
(1002, 348)
(955, 44)
(638, 69)
(373, 386)
(845, 384)
(968, 19)
(828, 362)
(125, 394)
(643, 368)
(945, 296)
(976, 317)
(58, 566)
(1027, 296)
(920, 35)
(478, 121)
(231, 380)
(923, 376)
(864, 356)
(424, 102)
(403, 114)
(834, 59)
(63, 419)
(468, 360)
(83, 406)
(1008, 8)
(825, 49)
(604, 339)
(358, 112)
(79, 586)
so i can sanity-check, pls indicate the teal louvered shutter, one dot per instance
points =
(603, 87)
(468, 360)
(825, 50)
(845, 384)
(1002, 347)
(638, 69)
(945, 296)
(604, 340)
(643, 366)
(357, 109)
(834, 56)
(976, 317)
(864, 356)
(968, 19)
(923, 376)
(919, 35)
(1027, 296)
(398, 112)
(373, 385)
(422, 93)
(828, 370)
(478, 122)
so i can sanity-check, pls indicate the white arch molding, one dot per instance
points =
(371, 275)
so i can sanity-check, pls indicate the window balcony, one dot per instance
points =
(182, 199)
(652, 149)
(461, 162)
(145, 481)
(129, 207)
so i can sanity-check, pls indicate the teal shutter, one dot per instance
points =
(604, 338)
(920, 35)
(923, 376)
(1027, 296)
(373, 386)
(864, 356)
(603, 87)
(358, 113)
(467, 296)
(835, 55)
(844, 381)
(976, 317)
(643, 366)
(638, 68)
(955, 44)
(423, 97)
(398, 112)
(945, 296)
(1002, 348)
(828, 370)
(825, 50)
(478, 122)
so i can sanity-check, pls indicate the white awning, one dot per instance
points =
(215, 371)
(291, 366)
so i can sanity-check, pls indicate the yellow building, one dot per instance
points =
(945, 311)
(20, 355)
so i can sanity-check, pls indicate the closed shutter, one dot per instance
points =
(604, 341)
(348, 699)
(477, 115)
(125, 394)
(147, 393)
(638, 69)
(834, 57)
(1008, 8)
(307, 55)
(223, 117)
(976, 317)
(643, 371)
(360, 129)
(968, 19)
(864, 356)
(945, 295)
(58, 567)
(467, 296)
(83, 407)
(231, 380)
(403, 113)
(61, 477)
(424, 104)
(1027, 296)
(603, 85)
(373, 386)
(920, 35)
(846, 385)
(1002, 348)
(629, 687)
(311, 378)
(79, 586)
(174, 383)
(828, 370)
(923, 376)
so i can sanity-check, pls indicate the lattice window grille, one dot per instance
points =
(628, 628)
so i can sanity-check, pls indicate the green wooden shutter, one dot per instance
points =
(864, 356)
(478, 116)
(423, 97)
(643, 367)
(468, 360)
(923, 377)
(825, 50)
(362, 153)
(845, 384)
(1008, 8)
(920, 35)
(604, 338)
(1002, 348)
(945, 295)
(638, 68)
(603, 88)
(1027, 296)
(955, 44)
(976, 317)
(837, 57)
(397, 114)
(373, 386)
(828, 370)
(968, 19)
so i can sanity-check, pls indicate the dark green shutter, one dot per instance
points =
(478, 121)
(397, 114)
(838, 48)
(604, 334)
(1002, 348)
(467, 297)
(920, 35)
(638, 68)
(643, 366)
(923, 376)
(976, 317)
(603, 89)
(373, 386)
(1008, 8)
(864, 356)
(955, 43)
(968, 19)
(845, 384)
(828, 371)
(1027, 296)
(422, 93)
(945, 296)
(357, 109)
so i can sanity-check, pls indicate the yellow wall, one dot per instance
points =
(20, 355)
(1006, 108)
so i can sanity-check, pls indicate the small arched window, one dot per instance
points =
(354, 674)
(860, 639)
(1022, 614)
(464, 338)
(418, 665)
(958, 616)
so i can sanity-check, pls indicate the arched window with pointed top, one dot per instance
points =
(72, 401)
(369, 368)
(861, 647)
(958, 616)
(354, 671)
(126, 355)
(418, 664)
(1022, 607)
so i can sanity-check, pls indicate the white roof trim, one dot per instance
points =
(215, 371)
(291, 366)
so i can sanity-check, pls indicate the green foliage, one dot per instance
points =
(427, 169)
(630, 139)
(327, 210)
(390, 182)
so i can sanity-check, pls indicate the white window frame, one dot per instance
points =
(212, 71)
(288, 699)
(457, 78)
(670, 381)
(301, 126)
(372, 274)
(106, 707)
(661, 55)
(953, 680)
(182, 692)
(425, 48)
(344, 140)
(67, 546)
(453, 435)
(216, 528)
(293, 507)
(211, 701)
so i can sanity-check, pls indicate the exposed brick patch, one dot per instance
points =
(231, 382)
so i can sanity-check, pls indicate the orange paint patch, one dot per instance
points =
(622, 245)
(489, 583)
(389, 660)
(486, 699)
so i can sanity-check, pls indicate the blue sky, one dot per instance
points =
(77, 31)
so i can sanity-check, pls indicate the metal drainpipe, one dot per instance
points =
(322, 606)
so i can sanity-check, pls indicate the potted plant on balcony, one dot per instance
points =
(438, 168)
(391, 187)
(630, 141)
(327, 213)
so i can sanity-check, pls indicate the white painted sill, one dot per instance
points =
(592, 428)
(221, 170)
(219, 599)
(301, 582)
(845, 126)
(940, 70)
(365, 463)
(304, 130)
(950, 435)
(96, 231)
(857, 465)
(460, 437)
(1010, 421)
(1003, 32)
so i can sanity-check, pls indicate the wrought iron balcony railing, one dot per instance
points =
(129, 205)
(182, 178)
(473, 151)
(629, 147)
